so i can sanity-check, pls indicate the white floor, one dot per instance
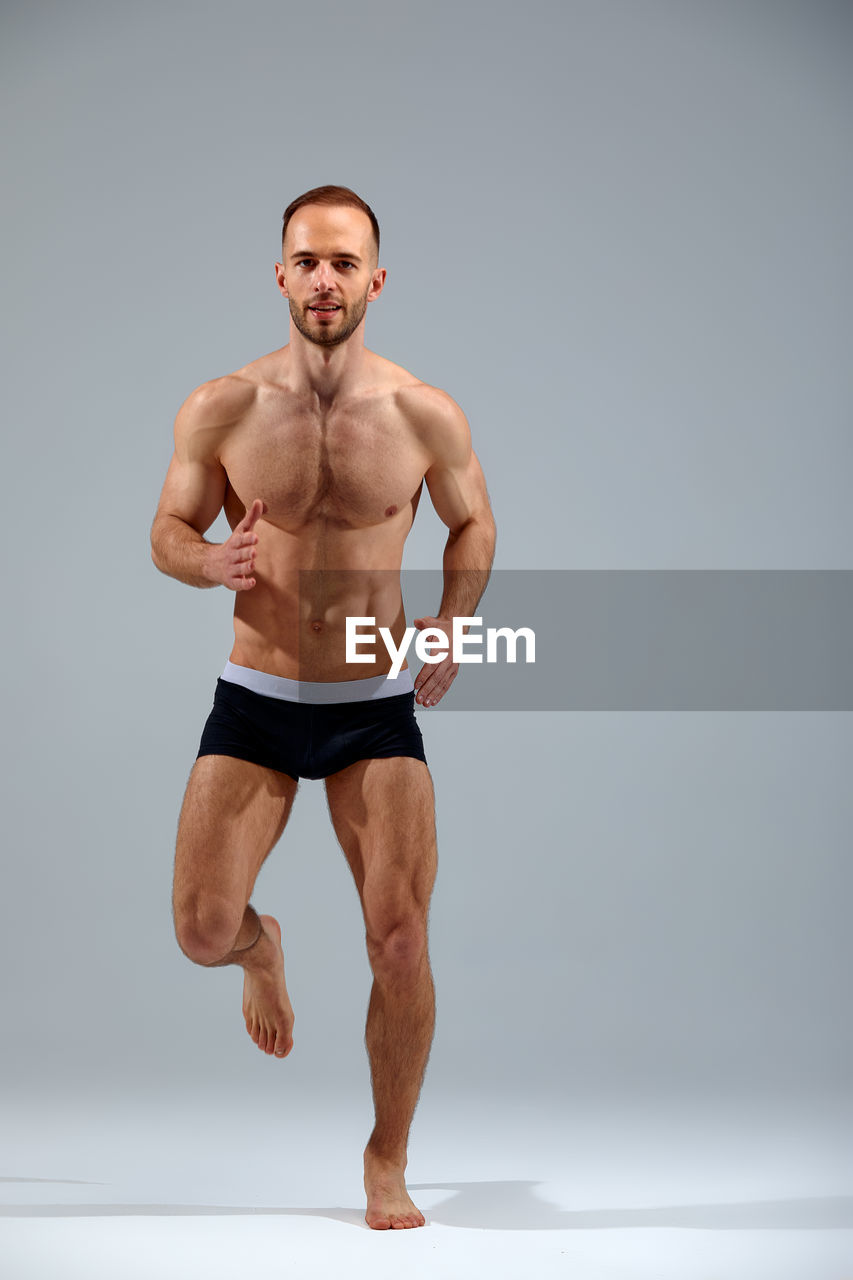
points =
(201, 1189)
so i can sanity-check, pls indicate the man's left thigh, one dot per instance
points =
(383, 812)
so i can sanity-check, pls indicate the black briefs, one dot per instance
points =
(309, 740)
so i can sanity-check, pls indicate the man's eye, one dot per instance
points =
(346, 264)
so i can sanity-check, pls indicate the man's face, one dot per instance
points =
(328, 271)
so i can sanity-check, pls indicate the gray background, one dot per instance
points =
(619, 235)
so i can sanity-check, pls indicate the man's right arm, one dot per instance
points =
(194, 492)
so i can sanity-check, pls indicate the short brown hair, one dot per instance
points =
(330, 195)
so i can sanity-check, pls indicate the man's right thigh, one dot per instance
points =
(232, 815)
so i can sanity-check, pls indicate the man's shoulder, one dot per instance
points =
(418, 400)
(218, 403)
(435, 418)
(411, 391)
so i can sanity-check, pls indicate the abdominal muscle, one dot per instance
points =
(293, 621)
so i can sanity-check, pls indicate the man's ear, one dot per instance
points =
(377, 284)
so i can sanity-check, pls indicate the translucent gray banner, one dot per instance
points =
(662, 640)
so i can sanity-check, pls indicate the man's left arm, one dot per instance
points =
(457, 488)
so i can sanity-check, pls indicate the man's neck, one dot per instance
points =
(326, 372)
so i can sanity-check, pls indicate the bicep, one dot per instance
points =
(453, 476)
(196, 481)
(194, 490)
(457, 488)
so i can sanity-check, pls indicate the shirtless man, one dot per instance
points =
(318, 453)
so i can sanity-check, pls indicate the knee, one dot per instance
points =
(205, 928)
(397, 954)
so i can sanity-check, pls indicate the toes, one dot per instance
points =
(269, 1039)
(395, 1221)
(409, 1220)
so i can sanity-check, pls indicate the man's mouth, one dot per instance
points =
(324, 309)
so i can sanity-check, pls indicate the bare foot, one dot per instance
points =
(389, 1205)
(266, 1005)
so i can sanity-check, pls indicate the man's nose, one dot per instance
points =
(323, 278)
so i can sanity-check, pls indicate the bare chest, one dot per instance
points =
(353, 467)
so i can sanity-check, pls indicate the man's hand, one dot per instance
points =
(232, 563)
(435, 678)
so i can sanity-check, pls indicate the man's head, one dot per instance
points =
(334, 197)
(329, 269)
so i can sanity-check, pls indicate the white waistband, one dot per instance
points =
(318, 691)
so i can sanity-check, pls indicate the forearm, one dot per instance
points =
(467, 565)
(181, 552)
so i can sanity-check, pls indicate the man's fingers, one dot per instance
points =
(425, 690)
(241, 548)
(253, 515)
(241, 551)
(431, 684)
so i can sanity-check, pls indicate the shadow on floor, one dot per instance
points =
(59, 1182)
(501, 1206)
